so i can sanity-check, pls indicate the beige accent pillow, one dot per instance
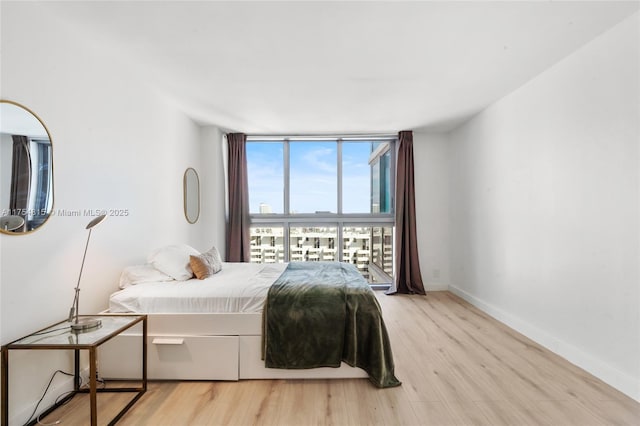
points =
(206, 264)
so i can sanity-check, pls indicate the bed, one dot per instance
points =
(237, 324)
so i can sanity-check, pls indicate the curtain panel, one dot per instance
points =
(408, 278)
(238, 238)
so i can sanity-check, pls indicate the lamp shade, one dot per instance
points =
(96, 221)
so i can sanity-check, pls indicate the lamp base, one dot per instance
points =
(85, 324)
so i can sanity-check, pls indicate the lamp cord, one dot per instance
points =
(45, 392)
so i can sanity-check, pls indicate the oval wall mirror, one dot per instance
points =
(191, 195)
(26, 170)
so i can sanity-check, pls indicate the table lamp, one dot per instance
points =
(84, 324)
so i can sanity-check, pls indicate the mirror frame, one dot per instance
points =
(51, 213)
(188, 193)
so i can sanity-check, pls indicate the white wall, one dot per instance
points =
(213, 188)
(544, 200)
(431, 166)
(117, 145)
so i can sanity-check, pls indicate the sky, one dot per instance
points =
(313, 173)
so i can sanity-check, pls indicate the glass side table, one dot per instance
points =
(59, 336)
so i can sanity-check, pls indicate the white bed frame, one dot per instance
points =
(215, 346)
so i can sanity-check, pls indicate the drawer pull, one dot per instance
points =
(167, 341)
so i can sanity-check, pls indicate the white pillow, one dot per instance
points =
(173, 260)
(136, 274)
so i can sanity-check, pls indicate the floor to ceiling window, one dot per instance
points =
(323, 199)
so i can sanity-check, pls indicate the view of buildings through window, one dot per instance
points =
(323, 200)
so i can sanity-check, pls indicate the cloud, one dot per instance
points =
(313, 172)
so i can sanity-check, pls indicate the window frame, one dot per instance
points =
(338, 219)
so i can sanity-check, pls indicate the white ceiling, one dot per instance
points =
(329, 67)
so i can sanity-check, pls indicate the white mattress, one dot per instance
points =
(238, 287)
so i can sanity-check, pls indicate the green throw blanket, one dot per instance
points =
(318, 314)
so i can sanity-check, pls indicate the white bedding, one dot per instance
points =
(238, 287)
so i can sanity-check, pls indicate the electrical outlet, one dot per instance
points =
(436, 273)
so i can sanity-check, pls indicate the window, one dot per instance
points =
(382, 249)
(312, 243)
(355, 248)
(313, 177)
(356, 177)
(41, 161)
(265, 163)
(267, 244)
(321, 199)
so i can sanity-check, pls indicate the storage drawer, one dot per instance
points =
(171, 357)
(252, 366)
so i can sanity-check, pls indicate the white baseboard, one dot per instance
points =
(435, 287)
(615, 378)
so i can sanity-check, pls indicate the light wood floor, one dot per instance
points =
(458, 367)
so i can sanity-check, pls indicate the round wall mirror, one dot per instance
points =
(191, 185)
(26, 170)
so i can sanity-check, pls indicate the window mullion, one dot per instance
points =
(286, 241)
(287, 174)
(340, 224)
(339, 169)
(340, 241)
(287, 204)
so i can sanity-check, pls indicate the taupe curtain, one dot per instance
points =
(408, 277)
(238, 238)
(20, 178)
